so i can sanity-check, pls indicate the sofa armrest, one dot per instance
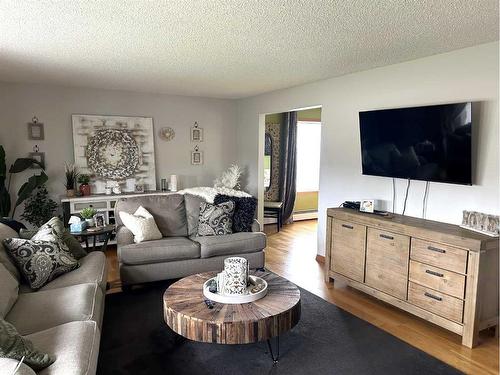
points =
(8, 365)
(124, 236)
(256, 226)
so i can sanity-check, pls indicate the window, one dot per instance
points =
(308, 154)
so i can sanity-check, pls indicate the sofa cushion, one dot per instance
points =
(14, 346)
(236, 243)
(9, 289)
(244, 211)
(192, 203)
(9, 365)
(93, 269)
(168, 210)
(216, 219)
(45, 309)
(142, 224)
(165, 250)
(5, 259)
(75, 346)
(40, 261)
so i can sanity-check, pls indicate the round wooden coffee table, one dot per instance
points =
(188, 313)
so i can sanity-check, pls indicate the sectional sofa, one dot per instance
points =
(63, 318)
(181, 252)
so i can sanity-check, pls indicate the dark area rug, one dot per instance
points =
(327, 340)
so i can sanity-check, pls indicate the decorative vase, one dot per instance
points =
(70, 193)
(90, 222)
(236, 275)
(85, 189)
(108, 190)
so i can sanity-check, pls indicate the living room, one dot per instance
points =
(191, 83)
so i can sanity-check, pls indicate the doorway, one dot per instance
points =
(299, 147)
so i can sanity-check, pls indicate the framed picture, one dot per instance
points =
(196, 134)
(35, 131)
(367, 205)
(39, 157)
(196, 157)
(99, 220)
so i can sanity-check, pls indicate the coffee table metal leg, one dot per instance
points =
(275, 359)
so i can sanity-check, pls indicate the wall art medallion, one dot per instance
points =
(115, 148)
(167, 134)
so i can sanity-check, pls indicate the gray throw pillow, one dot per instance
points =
(15, 346)
(215, 219)
(40, 261)
(54, 230)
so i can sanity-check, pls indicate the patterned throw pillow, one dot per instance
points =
(40, 261)
(244, 211)
(215, 219)
(15, 346)
(53, 231)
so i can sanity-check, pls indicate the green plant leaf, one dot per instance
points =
(3, 167)
(28, 187)
(22, 164)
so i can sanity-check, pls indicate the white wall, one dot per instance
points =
(469, 74)
(54, 106)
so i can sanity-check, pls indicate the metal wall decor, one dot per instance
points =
(196, 133)
(115, 148)
(196, 156)
(167, 133)
(36, 130)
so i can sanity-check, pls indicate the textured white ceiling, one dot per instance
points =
(227, 48)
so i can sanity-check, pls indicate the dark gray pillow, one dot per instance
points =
(215, 219)
(40, 261)
(244, 211)
(15, 346)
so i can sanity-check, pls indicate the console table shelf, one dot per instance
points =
(440, 272)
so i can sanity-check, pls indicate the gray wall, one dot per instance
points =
(54, 105)
(469, 74)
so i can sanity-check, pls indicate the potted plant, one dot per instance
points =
(39, 208)
(88, 214)
(84, 180)
(71, 174)
(26, 189)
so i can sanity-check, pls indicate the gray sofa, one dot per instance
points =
(180, 252)
(63, 318)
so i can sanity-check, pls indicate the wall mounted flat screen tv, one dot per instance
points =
(431, 143)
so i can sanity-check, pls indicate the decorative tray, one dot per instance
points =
(237, 298)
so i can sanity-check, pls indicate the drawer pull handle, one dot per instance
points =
(433, 296)
(386, 236)
(347, 226)
(436, 249)
(434, 273)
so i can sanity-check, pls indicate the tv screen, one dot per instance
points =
(431, 143)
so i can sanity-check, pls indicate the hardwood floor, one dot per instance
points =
(291, 253)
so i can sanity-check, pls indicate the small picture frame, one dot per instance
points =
(40, 157)
(196, 134)
(367, 205)
(196, 157)
(35, 131)
(99, 220)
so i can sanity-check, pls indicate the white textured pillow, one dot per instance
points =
(142, 224)
(9, 289)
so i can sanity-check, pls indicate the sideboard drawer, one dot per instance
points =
(438, 279)
(97, 205)
(439, 255)
(348, 249)
(387, 262)
(436, 302)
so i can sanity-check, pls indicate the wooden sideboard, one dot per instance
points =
(440, 272)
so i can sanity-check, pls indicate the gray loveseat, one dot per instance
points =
(180, 252)
(63, 318)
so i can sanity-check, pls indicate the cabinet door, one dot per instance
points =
(348, 249)
(387, 257)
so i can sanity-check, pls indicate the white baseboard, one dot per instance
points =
(305, 216)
